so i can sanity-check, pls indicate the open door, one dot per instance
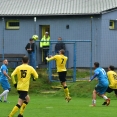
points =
(43, 29)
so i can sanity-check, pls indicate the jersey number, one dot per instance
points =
(62, 60)
(103, 71)
(23, 73)
(115, 76)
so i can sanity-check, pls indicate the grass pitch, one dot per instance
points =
(54, 105)
(49, 106)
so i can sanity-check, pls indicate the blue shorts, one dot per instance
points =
(5, 84)
(101, 89)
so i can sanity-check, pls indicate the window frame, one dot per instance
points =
(8, 27)
(113, 24)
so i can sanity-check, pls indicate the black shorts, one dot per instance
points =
(109, 90)
(62, 76)
(23, 94)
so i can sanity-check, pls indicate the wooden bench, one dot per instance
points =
(15, 58)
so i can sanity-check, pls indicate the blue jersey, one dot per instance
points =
(3, 68)
(102, 77)
(0, 72)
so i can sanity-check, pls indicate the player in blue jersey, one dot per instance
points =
(4, 80)
(102, 85)
(0, 72)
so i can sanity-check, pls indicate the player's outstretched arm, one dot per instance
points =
(92, 77)
(50, 58)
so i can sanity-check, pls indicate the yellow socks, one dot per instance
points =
(66, 90)
(23, 107)
(15, 109)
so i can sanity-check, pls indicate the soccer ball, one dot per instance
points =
(35, 37)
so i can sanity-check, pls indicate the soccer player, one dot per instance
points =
(23, 73)
(4, 80)
(102, 86)
(62, 71)
(112, 77)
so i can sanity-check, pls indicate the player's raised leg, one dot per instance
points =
(66, 90)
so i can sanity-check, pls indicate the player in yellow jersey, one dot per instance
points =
(62, 71)
(112, 77)
(23, 74)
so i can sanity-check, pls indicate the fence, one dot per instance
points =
(94, 38)
(75, 55)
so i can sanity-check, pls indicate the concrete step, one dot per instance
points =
(56, 87)
(48, 92)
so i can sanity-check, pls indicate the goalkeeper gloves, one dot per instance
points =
(15, 85)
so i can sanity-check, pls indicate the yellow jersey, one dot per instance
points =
(23, 73)
(60, 62)
(112, 77)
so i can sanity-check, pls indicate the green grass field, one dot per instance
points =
(54, 105)
(49, 106)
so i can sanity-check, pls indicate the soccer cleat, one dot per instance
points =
(6, 101)
(105, 103)
(92, 105)
(20, 115)
(68, 99)
(108, 101)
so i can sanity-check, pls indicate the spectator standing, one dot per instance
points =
(30, 48)
(59, 45)
(44, 45)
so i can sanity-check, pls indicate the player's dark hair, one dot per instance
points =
(62, 51)
(96, 64)
(112, 67)
(30, 39)
(25, 59)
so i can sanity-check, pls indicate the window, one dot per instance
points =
(12, 24)
(113, 24)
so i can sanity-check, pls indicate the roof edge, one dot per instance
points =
(109, 10)
(16, 15)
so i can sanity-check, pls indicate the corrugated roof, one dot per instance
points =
(54, 7)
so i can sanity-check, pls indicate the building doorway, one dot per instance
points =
(42, 30)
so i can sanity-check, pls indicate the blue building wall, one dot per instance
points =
(1, 35)
(79, 29)
(108, 43)
(96, 38)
